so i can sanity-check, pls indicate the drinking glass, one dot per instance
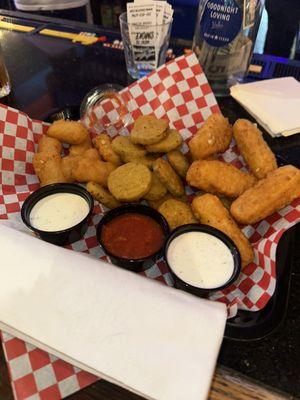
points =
(145, 46)
(4, 78)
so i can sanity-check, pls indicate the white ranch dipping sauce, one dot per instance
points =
(58, 211)
(200, 259)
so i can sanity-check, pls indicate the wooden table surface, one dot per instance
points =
(227, 385)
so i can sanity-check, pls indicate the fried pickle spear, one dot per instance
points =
(148, 130)
(270, 194)
(172, 140)
(209, 210)
(79, 149)
(168, 177)
(102, 195)
(70, 132)
(179, 162)
(213, 137)
(103, 144)
(87, 170)
(177, 213)
(218, 177)
(157, 189)
(130, 182)
(253, 148)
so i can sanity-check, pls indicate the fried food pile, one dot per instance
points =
(149, 166)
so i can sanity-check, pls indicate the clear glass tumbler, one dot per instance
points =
(106, 108)
(145, 46)
(5, 86)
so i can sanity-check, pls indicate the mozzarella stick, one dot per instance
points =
(214, 136)
(218, 177)
(79, 149)
(49, 145)
(88, 170)
(209, 210)
(52, 172)
(270, 194)
(70, 132)
(253, 148)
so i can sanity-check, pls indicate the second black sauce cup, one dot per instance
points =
(203, 292)
(139, 264)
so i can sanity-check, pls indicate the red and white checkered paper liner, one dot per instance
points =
(178, 91)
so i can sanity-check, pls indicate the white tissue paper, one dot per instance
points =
(151, 339)
(274, 103)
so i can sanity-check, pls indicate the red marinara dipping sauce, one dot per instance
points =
(133, 236)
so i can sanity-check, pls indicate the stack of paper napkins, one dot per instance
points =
(274, 103)
(154, 340)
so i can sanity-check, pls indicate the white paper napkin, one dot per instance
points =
(274, 103)
(154, 340)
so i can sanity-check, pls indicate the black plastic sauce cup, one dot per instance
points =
(198, 291)
(140, 264)
(65, 236)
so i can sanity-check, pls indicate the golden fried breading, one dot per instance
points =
(157, 189)
(172, 140)
(87, 170)
(91, 154)
(168, 177)
(68, 165)
(177, 213)
(52, 172)
(157, 203)
(40, 160)
(102, 195)
(214, 136)
(123, 146)
(70, 132)
(49, 145)
(147, 160)
(270, 194)
(218, 177)
(253, 148)
(209, 210)
(103, 144)
(79, 149)
(179, 162)
(148, 130)
(130, 182)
